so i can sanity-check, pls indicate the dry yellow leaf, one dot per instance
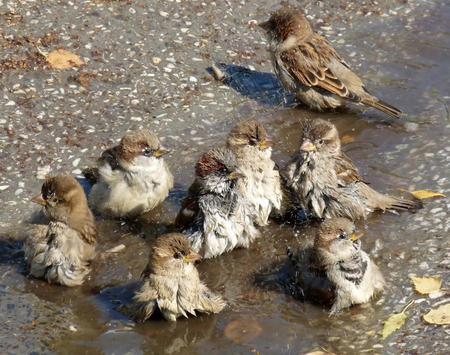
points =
(424, 194)
(242, 331)
(62, 59)
(346, 139)
(395, 321)
(440, 315)
(319, 352)
(427, 285)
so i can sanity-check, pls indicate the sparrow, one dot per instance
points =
(307, 65)
(327, 184)
(171, 283)
(250, 143)
(216, 217)
(61, 252)
(336, 270)
(132, 178)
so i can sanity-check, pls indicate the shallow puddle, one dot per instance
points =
(53, 122)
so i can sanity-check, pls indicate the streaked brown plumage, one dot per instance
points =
(327, 183)
(309, 66)
(61, 252)
(172, 284)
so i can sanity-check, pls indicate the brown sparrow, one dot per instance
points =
(217, 216)
(307, 64)
(132, 176)
(336, 269)
(172, 283)
(252, 147)
(61, 251)
(327, 184)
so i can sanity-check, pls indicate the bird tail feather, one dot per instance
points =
(383, 107)
(91, 174)
(393, 203)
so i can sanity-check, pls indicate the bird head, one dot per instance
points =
(336, 240)
(287, 22)
(172, 252)
(249, 135)
(218, 171)
(140, 147)
(61, 196)
(319, 137)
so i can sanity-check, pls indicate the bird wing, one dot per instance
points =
(84, 224)
(208, 301)
(310, 64)
(89, 233)
(144, 302)
(189, 206)
(110, 156)
(346, 172)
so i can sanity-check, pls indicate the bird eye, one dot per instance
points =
(320, 141)
(147, 151)
(50, 195)
(343, 235)
(178, 255)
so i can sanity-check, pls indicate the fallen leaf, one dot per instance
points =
(424, 194)
(242, 331)
(440, 315)
(62, 59)
(395, 322)
(346, 139)
(319, 352)
(427, 285)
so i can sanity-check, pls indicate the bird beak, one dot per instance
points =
(355, 236)
(192, 258)
(235, 175)
(160, 152)
(263, 145)
(39, 200)
(307, 146)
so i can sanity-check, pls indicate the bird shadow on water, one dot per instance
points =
(262, 87)
(11, 253)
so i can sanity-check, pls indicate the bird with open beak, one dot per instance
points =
(61, 252)
(132, 178)
(216, 217)
(327, 184)
(308, 66)
(336, 270)
(172, 284)
(250, 143)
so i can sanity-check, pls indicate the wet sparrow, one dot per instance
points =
(218, 216)
(325, 181)
(309, 66)
(347, 271)
(253, 150)
(61, 251)
(132, 177)
(172, 283)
